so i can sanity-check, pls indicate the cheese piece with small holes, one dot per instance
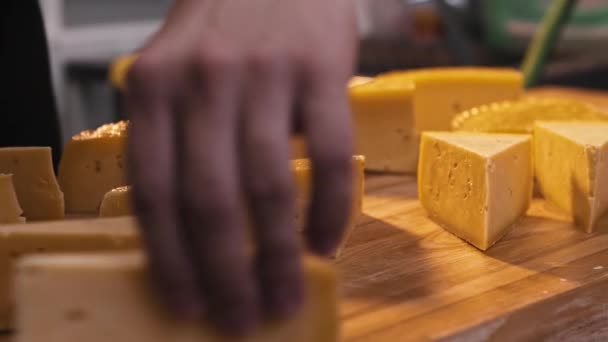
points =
(34, 180)
(93, 164)
(384, 124)
(107, 297)
(56, 237)
(571, 162)
(475, 185)
(442, 93)
(10, 210)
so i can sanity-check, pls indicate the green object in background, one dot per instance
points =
(545, 39)
(509, 25)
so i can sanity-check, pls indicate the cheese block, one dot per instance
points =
(384, 125)
(442, 93)
(571, 161)
(52, 237)
(106, 297)
(475, 185)
(92, 164)
(118, 203)
(519, 116)
(10, 210)
(34, 180)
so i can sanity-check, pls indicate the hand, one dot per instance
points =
(214, 97)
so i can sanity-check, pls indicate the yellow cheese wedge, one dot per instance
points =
(34, 180)
(59, 236)
(475, 185)
(571, 161)
(92, 164)
(442, 93)
(10, 210)
(101, 298)
(118, 203)
(384, 124)
(519, 116)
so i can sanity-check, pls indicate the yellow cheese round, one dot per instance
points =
(519, 116)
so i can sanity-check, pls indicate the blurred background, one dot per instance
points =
(86, 35)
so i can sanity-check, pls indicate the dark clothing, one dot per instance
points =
(28, 116)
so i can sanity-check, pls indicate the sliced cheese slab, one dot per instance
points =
(34, 180)
(442, 93)
(571, 161)
(10, 210)
(92, 164)
(475, 185)
(101, 298)
(56, 237)
(118, 203)
(384, 124)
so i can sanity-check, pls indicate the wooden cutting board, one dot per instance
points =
(402, 277)
(405, 278)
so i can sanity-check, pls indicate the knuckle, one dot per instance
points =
(265, 61)
(217, 60)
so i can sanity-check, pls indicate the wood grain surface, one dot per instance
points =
(405, 278)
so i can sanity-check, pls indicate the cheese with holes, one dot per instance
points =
(52, 237)
(571, 161)
(10, 210)
(118, 203)
(34, 180)
(107, 297)
(475, 185)
(442, 93)
(384, 124)
(93, 164)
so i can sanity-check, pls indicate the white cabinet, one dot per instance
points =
(95, 32)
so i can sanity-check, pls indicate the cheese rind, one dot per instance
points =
(10, 210)
(93, 164)
(57, 237)
(55, 304)
(384, 125)
(475, 185)
(34, 180)
(519, 116)
(571, 162)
